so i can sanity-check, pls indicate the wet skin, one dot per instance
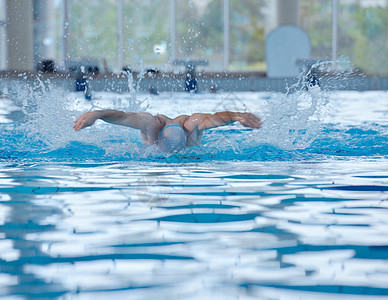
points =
(150, 126)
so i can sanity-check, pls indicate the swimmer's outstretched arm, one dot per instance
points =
(140, 121)
(206, 121)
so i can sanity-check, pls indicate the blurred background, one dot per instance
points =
(229, 35)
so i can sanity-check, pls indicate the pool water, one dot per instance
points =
(295, 210)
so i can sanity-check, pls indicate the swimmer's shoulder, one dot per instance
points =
(199, 116)
(195, 119)
(163, 119)
(180, 120)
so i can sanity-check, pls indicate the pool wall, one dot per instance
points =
(206, 82)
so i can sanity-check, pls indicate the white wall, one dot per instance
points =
(45, 39)
(20, 35)
(3, 37)
(287, 12)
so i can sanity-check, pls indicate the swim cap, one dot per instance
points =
(172, 138)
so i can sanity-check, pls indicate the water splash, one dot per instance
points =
(47, 116)
(295, 126)
(293, 122)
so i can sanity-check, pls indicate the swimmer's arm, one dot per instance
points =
(134, 120)
(206, 121)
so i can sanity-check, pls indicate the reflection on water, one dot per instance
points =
(21, 216)
(296, 210)
(220, 230)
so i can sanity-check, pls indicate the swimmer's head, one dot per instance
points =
(172, 138)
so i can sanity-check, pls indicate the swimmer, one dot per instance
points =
(170, 135)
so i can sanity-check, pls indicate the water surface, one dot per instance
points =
(296, 210)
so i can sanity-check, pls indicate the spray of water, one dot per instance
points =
(290, 121)
(293, 122)
(48, 113)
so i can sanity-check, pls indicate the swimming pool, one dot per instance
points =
(295, 210)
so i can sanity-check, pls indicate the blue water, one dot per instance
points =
(295, 210)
